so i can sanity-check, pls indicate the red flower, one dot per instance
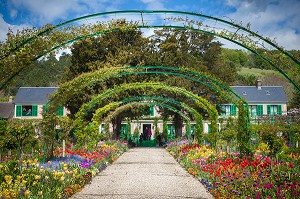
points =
(291, 165)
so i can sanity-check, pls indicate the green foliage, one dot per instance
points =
(3, 133)
(136, 133)
(165, 129)
(269, 134)
(43, 73)
(243, 136)
(228, 133)
(20, 134)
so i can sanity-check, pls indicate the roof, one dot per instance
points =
(263, 94)
(6, 110)
(33, 95)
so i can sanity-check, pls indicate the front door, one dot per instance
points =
(146, 128)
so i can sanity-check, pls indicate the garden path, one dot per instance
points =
(144, 173)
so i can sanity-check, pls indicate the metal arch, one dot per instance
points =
(155, 98)
(126, 71)
(197, 99)
(238, 27)
(174, 109)
(182, 28)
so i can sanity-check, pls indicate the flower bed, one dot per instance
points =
(233, 176)
(58, 178)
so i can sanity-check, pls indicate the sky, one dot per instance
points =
(276, 19)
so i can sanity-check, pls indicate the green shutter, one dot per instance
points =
(19, 111)
(60, 111)
(45, 107)
(279, 110)
(151, 111)
(269, 109)
(208, 128)
(34, 110)
(259, 110)
(233, 110)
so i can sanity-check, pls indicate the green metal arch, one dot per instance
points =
(98, 115)
(121, 71)
(186, 28)
(203, 103)
(239, 27)
(141, 12)
(167, 106)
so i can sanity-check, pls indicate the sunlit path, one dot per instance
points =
(144, 173)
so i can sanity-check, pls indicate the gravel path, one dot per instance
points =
(144, 173)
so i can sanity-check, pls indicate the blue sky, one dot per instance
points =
(277, 19)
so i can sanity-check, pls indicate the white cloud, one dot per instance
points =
(274, 19)
(154, 4)
(5, 26)
(45, 11)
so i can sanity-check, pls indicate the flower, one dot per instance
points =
(8, 179)
(27, 193)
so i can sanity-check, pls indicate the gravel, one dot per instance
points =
(144, 173)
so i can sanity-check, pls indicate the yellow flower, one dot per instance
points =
(8, 179)
(27, 193)
(42, 167)
(46, 177)
(62, 178)
(40, 193)
(23, 182)
(19, 178)
(37, 177)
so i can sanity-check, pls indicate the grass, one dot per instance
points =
(257, 72)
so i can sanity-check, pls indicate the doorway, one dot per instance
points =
(146, 127)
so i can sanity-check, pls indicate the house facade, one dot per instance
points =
(262, 100)
(31, 101)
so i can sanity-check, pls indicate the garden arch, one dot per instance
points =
(238, 34)
(98, 115)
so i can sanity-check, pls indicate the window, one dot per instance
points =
(26, 110)
(225, 110)
(253, 110)
(256, 110)
(228, 110)
(274, 109)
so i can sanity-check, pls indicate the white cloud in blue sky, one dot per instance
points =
(278, 19)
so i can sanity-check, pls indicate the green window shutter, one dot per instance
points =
(45, 107)
(208, 129)
(259, 110)
(151, 111)
(279, 110)
(34, 110)
(233, 110)
(60, 111)
(19, 111)
(269, 109)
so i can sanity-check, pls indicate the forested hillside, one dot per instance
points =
(43, 73)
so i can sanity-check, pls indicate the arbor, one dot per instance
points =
(198, 51)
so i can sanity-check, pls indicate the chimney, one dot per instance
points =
(258, 84)
(10, 99)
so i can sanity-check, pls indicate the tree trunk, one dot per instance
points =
(178, 123)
